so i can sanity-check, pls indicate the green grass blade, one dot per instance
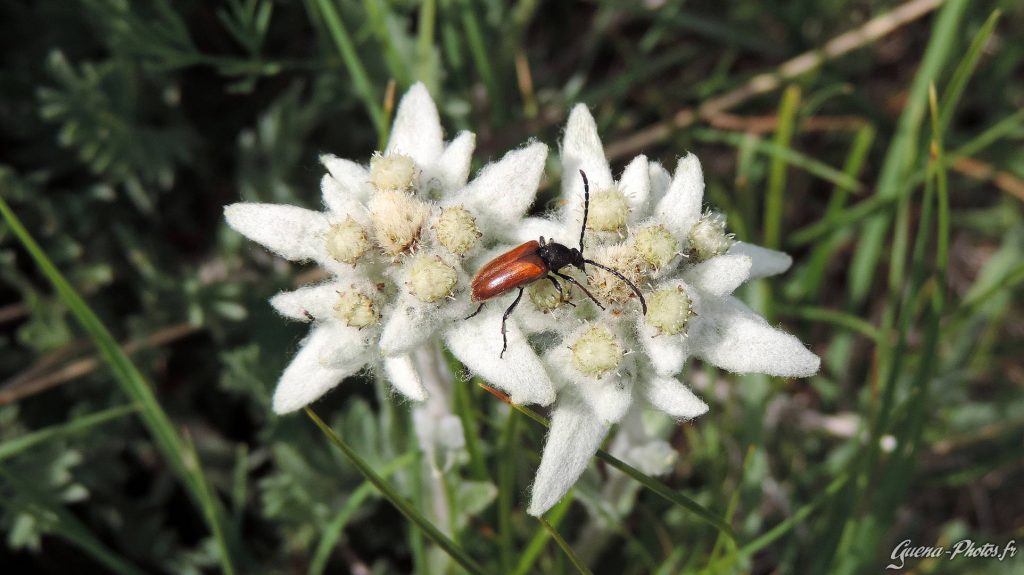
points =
(389, 493)
(964, 71)
(540, 539)
(377, 16)
(576, 561)
(426, 66)
(647, 481)
(836, 318)
(789, 156)
(347, 51)
(782, 528)
(824, 251)
(506, 488)
(903, 154)
(333, 531)
(777, 174)
(482, 57)
(16, 445)
(132, 382)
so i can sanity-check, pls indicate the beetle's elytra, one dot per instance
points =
(536, 260)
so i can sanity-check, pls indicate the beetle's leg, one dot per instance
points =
(573, 281)
(474, 313)
(508, 312)
(558, 286)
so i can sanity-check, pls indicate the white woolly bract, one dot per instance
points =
(721, 275)
(476, 342)
(573, 439)
(764, 262)
(501, 193)
(402, 374)
(735, 338)
(417, 131)
(330, 353)
(672, 397)
(293, 233)
(680, 208)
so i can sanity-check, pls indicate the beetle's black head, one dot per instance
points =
(557, 256)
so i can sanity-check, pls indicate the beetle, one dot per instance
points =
(536, 260)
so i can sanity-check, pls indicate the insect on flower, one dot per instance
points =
(535, 260)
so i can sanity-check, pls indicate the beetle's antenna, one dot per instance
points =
(586, 207)
(636, 290)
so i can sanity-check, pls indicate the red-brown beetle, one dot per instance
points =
(536, 260)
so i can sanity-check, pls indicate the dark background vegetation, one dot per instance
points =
(128, 125)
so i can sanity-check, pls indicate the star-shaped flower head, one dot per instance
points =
(394, 236)
(650, 227)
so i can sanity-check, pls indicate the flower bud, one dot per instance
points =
(544, 295)
(346, 241)
(668, 310)
(708, 237)
(596, 352)
(608, 211)
(392, 172)
(397, 220)
(656, 245)
(430, 279)
(356, 309)
(456, 230)
(607, 286)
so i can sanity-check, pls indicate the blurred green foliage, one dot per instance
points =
(127, 125)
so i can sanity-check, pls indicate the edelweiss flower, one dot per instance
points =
(395, 236)
(648, 226)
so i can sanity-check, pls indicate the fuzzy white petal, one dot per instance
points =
(476, 342)
(680, 208)
(660, 181)
(318, 301)
(533, 228)
(636, 186)
(672, 397)
(403, 376)
(719, 275)
(350, 181)
(408, 325)
(667, 353)
(417, 129)
(574, 438)
(317, 367)
(452, 168)
(501, 193)
(582, 150)
(735, 338)
(608, 396)
(292, 233)
(611, 400)
(341, 202)
(765, 262)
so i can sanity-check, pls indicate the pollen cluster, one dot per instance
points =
(356, 309)
(656, 245)
(544, 295)
(430, 279)
(456, 230)
(708, 237)
(622, 258)
(608, 211)
(397, 219)
(347, 241)
(393, 172)
(668, 310)
(596, 352)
